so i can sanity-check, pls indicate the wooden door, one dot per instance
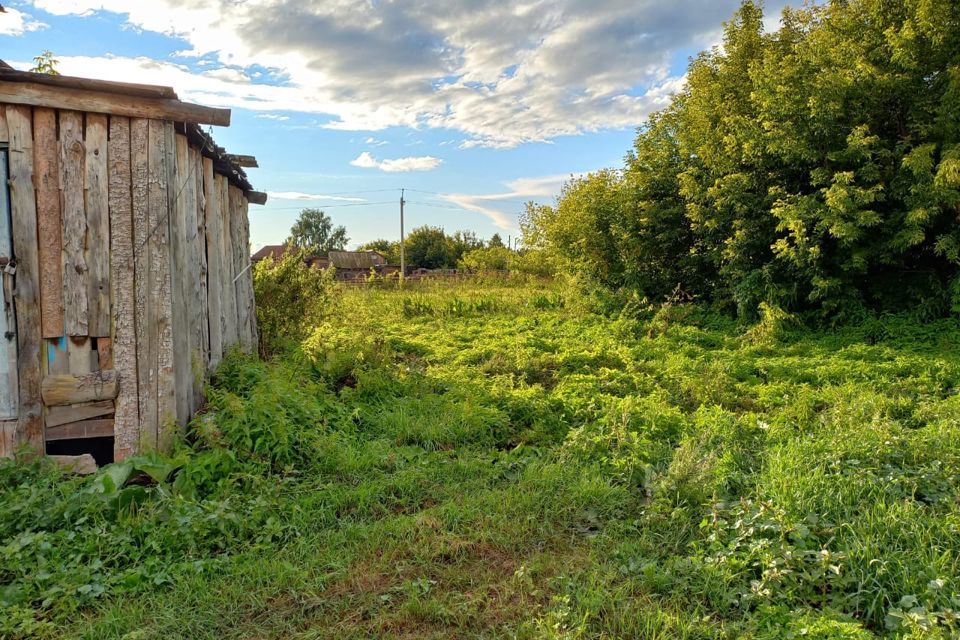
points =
(8, 323)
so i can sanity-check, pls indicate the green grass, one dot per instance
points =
(495, 460)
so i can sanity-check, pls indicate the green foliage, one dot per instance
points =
(314, 232)
(810, 168)
(45, 63)
(488, 259)
(389, 248)
(493, 459)
(429, 248)
(291, 299)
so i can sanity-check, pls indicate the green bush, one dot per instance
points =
(291, 298)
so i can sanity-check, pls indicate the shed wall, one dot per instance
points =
(132, 276)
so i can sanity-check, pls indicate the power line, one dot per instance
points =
(331, 206)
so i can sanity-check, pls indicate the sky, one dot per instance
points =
(474, 107)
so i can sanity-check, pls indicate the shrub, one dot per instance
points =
(291, 299)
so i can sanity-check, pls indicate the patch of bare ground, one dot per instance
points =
(458, 589)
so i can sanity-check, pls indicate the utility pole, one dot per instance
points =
(403, 262)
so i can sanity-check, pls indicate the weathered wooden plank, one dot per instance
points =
(9, 408)
(239, 268)
(8, 438)
(97, 251)
(256, 197)
(27, 295)
(242, 160)
(4, 133)
(105, 353)
(83, 429)
(248, 276)
(111, 86)
(182, 270)
(49, 223)
(122, 291)
(57, 416)
(200, 249)
(72, 155)
(228, 291)
(160, 211)
(58, 390)
(58, 360)
(214, 276)
(144, 318)
(81, 356)
(27, 93)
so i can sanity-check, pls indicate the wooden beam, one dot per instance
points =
(47, 168)
(228, 296)
(256, 197)
(8, 438)
(97, 250)
(82, 429)
(30, 93)
(124, 343)
(144, 316)
(182, 272)
(109, 86)
(243, 161)
(27, 293)
(203, 305)
(57, 416)
(163, 152)
(72, 156)
(60, 390)
(211, 212)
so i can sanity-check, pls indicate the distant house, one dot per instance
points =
(351, 265)
(357, 259)
(278, 251)
(275, 251)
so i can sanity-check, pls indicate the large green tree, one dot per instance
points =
(814, 167)
(428, 247)
(390, 249)
(314, 232)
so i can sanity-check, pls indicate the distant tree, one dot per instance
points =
(488, 259)
(495, 241)
(460, 243)
(314, 232)
(45, 63)
(389, 248)
(429, 248)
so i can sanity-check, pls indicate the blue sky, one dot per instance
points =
(474, 106)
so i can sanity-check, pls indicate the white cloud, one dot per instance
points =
(373, 142)
(16, 23)
(365, 161)
(397, 165)
(502, 207)
(299, 195)
(273, 116)
(501, 73)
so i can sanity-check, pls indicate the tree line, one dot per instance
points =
(427, 247)
(815, 168)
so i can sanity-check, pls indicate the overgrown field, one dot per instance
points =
(498, 460)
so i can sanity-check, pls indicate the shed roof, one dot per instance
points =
(275, 251)
(355, 259)
(132, 100)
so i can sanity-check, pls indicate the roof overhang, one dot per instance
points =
(135, 101)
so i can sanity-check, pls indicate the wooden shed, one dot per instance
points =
(124, 251)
